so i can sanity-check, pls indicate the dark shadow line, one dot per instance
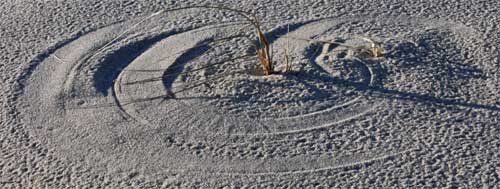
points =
(176, 69)
(423, 98)
(106, 74)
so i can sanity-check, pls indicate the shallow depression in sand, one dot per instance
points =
(108, 95)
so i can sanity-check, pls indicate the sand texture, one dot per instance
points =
(133, 94)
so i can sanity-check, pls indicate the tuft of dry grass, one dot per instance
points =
(262, 47)
(288, 64)
(263, 53)
(375, 48)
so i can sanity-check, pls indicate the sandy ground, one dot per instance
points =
(122, 94)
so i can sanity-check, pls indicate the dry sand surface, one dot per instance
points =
(119, 94)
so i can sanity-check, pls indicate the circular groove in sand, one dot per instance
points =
(103, 123)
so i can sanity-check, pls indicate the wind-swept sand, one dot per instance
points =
(119, 94)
